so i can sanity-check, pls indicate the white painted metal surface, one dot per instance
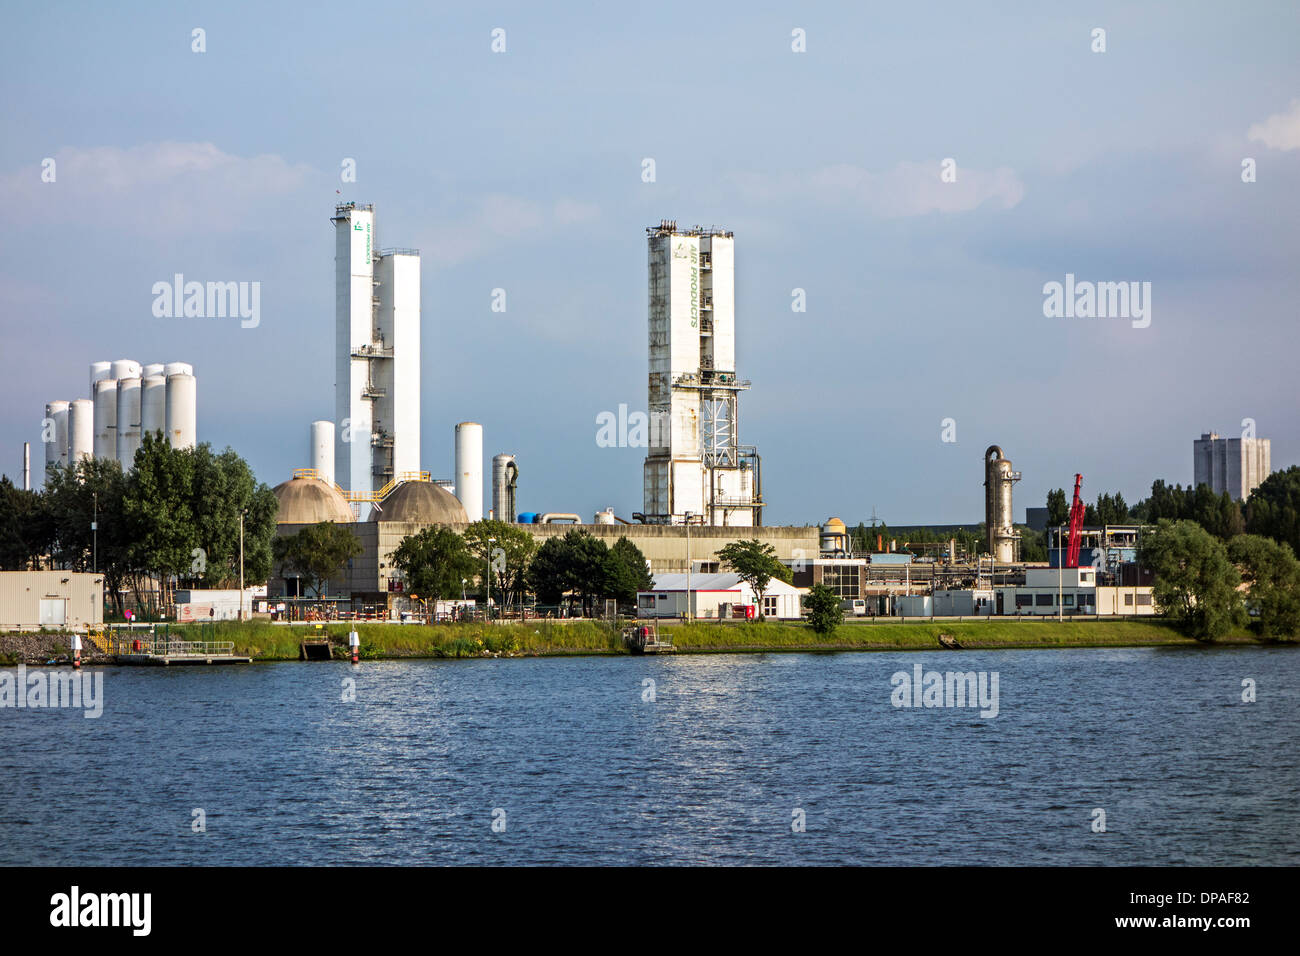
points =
(156, 368)
(105, 398)
(177, 368)
(128, 421)
(153, 405)
(469, 468)
(81, 429)
(124, 368)
(98, 372)
(182, 411)
(322, 450)
(501, 505)
(56, 451)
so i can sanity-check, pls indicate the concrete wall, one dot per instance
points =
(77, 598)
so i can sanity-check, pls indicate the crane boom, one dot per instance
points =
(1076, 525)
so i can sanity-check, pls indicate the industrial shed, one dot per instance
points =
(59, 600)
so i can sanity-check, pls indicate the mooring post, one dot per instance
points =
(354, 642)
(76, 651)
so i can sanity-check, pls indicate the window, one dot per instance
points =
(842, 579)
(1128, 600)
(769, 607)
(1044, 600)
(1068, 600)
(1144, 600)
(1024, 600)
(646, 600)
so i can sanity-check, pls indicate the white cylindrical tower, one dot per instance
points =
(128, 421)
(155, 368)
(98, 372)
(177, 368)
(106, 418)
(125, 368)
(81, 430)
(469, 469)
(56, 449)
(182, 410)
(153, 405)
(322, 450)
(504, 472)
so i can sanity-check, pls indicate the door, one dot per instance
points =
(54, 612)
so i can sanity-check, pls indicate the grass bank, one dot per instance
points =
(265, 641)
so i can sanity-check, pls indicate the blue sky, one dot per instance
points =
(522, 171)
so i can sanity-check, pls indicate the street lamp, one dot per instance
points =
(488, 578)
(689, 515)
(242, 512)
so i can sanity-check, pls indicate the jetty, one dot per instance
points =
(146, 646)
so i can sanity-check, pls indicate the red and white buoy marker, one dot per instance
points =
(76, 651)
(354, 642)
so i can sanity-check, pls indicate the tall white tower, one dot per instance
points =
(696, 462)
(377, 349)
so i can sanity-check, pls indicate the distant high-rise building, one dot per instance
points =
(1234, 465)
(696, 463)
(377, 355)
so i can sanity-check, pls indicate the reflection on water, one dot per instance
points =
(710, 771)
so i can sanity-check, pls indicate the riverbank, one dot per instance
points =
(264, 641)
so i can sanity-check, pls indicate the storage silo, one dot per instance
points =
(505, 474)
(605, 517)
(125, 368)
(155, 368)
(182, 410)
(177, 368)
(105, 398)
(98, 372)
(469, 468)
(153, 405)
(322, 450)
(81, 430)
(128, 421)
(56, 449)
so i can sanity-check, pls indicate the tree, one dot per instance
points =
(26, 528)
(1195, 583)
(626, 572)
(1058, 509)
(1273, 509)
(317, 552)
(548, 573)
(1271, 571)
(756, 564)
(825, 611)
(433, 563)
(92, 492)
(508, 555)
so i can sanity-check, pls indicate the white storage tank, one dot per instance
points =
(153, 405)
(125, 368)
(605, 517)
(505, 473)
(81, 430)
(128, 421)
(56, 450)
(182, 411)
(322, 450)
(177, 368)
(98, 372)
(105, 398)
(156, 368)
(469, 469)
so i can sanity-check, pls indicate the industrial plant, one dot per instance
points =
(127, 401)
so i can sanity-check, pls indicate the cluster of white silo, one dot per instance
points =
(127, 401)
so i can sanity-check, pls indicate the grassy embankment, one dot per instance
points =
(264, 641)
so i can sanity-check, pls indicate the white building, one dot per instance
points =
(696, 463)
(1234, 465)
(1073, 591)
(377, 355)
(714, 596)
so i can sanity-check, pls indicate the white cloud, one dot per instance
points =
(499, 217)
(908, 189)
(158, 187)
(1279, 131)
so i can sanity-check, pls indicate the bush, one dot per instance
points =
(824, 610)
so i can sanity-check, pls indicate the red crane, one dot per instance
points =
(1076, 525)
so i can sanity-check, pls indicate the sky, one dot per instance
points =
(523, 170)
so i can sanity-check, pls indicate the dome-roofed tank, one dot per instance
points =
(420, 501)
(309, 501)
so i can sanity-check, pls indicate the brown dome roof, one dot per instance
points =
(420, 501)
(310, 500)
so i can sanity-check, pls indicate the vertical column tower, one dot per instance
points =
(696, 462)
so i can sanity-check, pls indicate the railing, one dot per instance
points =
(163, 647)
